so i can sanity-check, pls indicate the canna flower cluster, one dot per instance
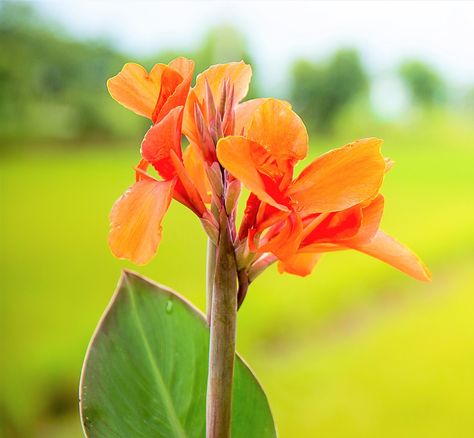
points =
(333, 204)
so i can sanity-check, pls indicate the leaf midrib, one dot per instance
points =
(162, 389)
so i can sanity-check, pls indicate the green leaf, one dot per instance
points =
(145, 371)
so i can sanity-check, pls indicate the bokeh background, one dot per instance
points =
(356, 349)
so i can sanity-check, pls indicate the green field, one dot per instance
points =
(355, 350)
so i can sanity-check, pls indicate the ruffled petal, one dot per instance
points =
(136, 218)
(340, 178)
(389, 250)
(136, 89)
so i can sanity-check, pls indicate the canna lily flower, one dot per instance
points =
(154, 94)
(333, 204)
(159, 95)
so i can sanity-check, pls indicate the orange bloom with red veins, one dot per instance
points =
(333, 204)
(136, 217)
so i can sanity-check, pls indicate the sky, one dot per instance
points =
(386, 32)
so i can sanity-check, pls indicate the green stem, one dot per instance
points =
(210, 271)
(223, 335)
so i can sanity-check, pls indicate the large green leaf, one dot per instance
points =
(145, 372)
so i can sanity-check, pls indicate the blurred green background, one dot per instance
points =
(356, 349)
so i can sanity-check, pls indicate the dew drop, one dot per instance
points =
(169, 306)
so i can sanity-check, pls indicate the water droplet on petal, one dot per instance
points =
(169, 306)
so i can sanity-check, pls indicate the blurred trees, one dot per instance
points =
(424, 84)
(53, 87)
(319, 91)
(221, 44)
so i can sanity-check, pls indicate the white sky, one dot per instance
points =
(386, 32)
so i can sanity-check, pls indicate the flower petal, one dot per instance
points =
(340, 178)
(279, 130)
(387, 249)
(176, 82)
(136, 89)
(244, 113)
(196, 169)
(370, 223)
(236, 153)
(160, 140)
(284, 239)
(237, 73)
(136, 220)
(301, 264)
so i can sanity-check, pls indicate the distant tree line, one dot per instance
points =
(52, 86)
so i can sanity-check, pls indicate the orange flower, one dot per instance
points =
(136, 217)
(155, 94)
(333, 204)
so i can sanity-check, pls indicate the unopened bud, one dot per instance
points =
(215, 179)
(211, 227)
(232, 196)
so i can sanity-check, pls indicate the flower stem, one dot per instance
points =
(223, 335)
(210, 271)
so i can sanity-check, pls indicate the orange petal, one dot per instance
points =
(136, 220)
(301, 264)
(136, 89)
(340, 178)
(337, 226)
(237, 73)
(236, 153)
(284, 244)
(279, 130)
(244, 113)
(370, 223)
(160, 140)
(387, 249)
(183, 66)
(176, 82)
(196, 169)
(188, 192)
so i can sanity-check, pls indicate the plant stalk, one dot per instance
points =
(223, 336)
(210, 272)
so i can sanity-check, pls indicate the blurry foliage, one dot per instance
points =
(221, 44)
(423, 83)
(53, 88)
(319, 91)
